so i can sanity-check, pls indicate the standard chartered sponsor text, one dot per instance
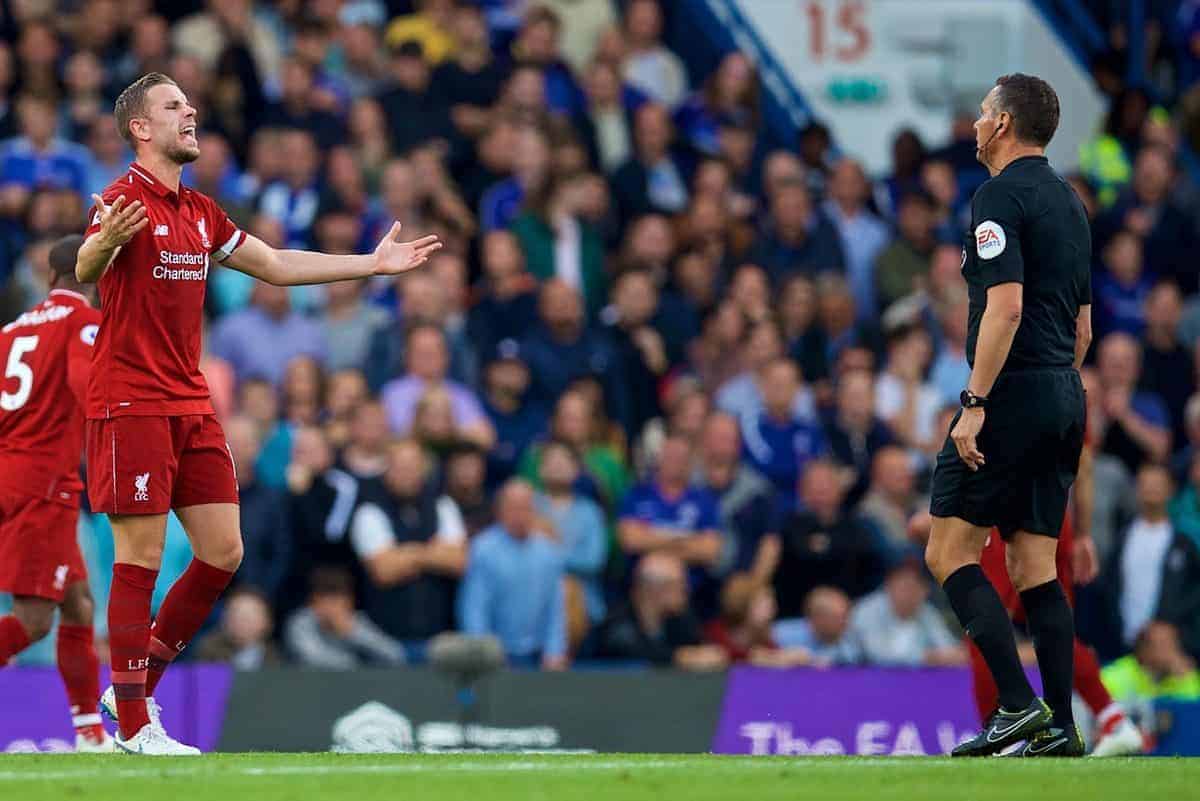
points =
(166, 273)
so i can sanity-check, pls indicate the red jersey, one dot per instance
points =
(152, 296)
(45, 358)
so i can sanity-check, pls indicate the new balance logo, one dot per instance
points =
(160, 230)
(141, 483)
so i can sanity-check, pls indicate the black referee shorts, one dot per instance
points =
(1031, 440)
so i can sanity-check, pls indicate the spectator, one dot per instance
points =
(655, 179)
(853, 431)
(605, 123)
(1167, 366)
(558, 243)
(1154, 571)
(745, 498)
(330, 633)
(507, 299)
(415, 114)
(513, 588)
(804, 339)
(502, 203)
(243, 639)
(796, 237)
(824, 631)
(1132, 425)
(562, 348)
(262, 514)
(537, 46)
(518, 421)
(206, 35)
(904, 400)
(639, 345)
(427, 360)
(38, 159)
(863, 235)
(1181, 461)
(295, 109)
(667, 514)
(897, 625)
(431, 26)
(732, 90)
(464, 480)
(743, 630)
(891, 499)
(1157, 668)
(650, 67)
(259, 340)
(777, 444)
(362, 72)
(111, 157)
(293, 198)
(950, 372)
(1185, 506)
(471, 80)
(903, 266)
(576, 521)
(345, 394)
(1122, 287)
(822, 544)
(656, 626)
(349, 324)
(715, 357)
(743, 395)
(365, 456)
(412, 544)
(1146, 209)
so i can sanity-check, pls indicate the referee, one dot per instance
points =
(1014, 447)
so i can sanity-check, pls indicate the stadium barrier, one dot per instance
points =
(747, 711)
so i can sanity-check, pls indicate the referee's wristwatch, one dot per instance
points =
(970, 400)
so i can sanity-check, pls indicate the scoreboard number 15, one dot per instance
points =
(838, 32)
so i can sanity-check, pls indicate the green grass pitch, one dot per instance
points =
(603, 777)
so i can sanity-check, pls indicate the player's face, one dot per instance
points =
(171, 121)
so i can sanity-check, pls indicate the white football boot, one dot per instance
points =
(151, 740)
(1125, 739)
(108, 703)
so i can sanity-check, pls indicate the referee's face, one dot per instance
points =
(987, 125)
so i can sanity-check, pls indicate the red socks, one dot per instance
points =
(13, 638)
(128, 639)
(1087, 680)
(80, 671)
(183, 612)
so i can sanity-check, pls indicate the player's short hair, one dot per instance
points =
(62, 256)
(1033, 105)
(132, 101)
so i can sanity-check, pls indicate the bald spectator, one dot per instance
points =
(824, 631)
(656, 626)
(427, 361)
(562, 348)
(1130, 424)
(745, 498)
(259, 340)
(822, 544)
(413, 546)
(262, 514)
(863, 235)
(891, 499)
(513, 588)
(797, 237)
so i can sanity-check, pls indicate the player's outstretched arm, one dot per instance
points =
(118, 223)
(294, 267)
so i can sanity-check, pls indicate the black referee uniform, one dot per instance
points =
(1027, 226)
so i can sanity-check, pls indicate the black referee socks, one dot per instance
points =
(985, 621)
(1053, 628)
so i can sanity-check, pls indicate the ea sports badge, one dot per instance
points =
(989, 240)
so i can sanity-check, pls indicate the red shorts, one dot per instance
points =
(150, 465)
(39, 547)
(996, 569)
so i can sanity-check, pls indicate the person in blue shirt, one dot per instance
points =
(1122, 287)
(513, 587)
(778, 444)
(578, 522)
(37, 159)
(668, 514)
(518, 422)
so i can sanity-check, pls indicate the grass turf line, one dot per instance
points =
(610, 777)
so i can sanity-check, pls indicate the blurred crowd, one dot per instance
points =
(670, 394)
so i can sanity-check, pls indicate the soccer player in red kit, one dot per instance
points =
(153, 443)
(45, 356)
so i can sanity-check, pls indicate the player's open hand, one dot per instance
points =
(118, 222)
(969, 424)
(393, 258)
